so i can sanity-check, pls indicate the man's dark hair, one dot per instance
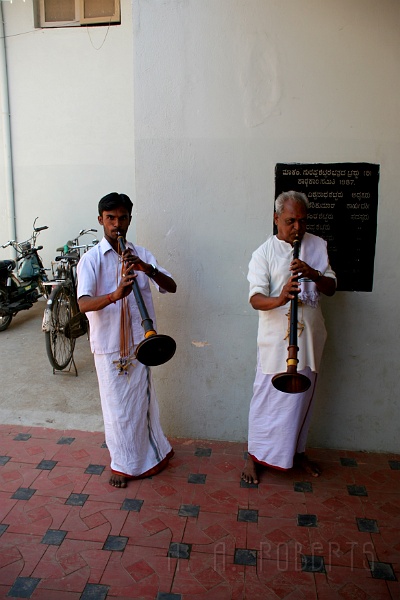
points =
(115, 200)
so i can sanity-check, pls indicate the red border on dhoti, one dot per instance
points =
(261, 462)
(153, 471)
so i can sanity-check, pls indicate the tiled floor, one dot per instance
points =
(194, 531)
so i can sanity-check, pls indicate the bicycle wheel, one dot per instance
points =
(60, 348)
(5, 320)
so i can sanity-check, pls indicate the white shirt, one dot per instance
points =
(99, 272)
(269, 270)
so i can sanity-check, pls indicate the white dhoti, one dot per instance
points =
(278, 422)
(132, 426)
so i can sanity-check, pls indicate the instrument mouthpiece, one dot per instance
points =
(121, 242)
(296, 247)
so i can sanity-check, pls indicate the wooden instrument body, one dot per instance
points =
(292, 382)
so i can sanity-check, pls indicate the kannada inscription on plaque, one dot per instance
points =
(343, 210)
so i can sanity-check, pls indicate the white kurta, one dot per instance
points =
(98, 275)
(279, 422)
(132, 426)
(269, 270)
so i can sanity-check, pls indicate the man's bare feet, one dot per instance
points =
(249, 473)
(118, 481)
(301, 460)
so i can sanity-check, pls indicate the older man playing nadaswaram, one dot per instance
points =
(279, 421)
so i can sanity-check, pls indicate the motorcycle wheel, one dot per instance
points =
(60, 348)
(4, 320)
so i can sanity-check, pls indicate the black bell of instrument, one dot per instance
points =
(156, 348)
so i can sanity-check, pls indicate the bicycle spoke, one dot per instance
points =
(60, 348)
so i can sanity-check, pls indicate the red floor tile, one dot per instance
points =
(94, 521)
(70, 566)
(15, 475)
(277, 501)
(348, 583)
(154, 527)
(279, 539)
(37, 515)
(207, 576)
(215, 533)
(20, 554)
(209, 530)
(139, 572)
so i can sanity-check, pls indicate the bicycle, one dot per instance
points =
(63, 322)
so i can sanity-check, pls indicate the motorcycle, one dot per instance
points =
(22, 281)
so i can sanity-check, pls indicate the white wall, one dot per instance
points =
(71, 102)
(224, 89)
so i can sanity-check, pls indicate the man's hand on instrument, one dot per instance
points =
(299, 268)
(135, 262)
(289, 290)
(125, 284)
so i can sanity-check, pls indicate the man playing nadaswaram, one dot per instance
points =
(279, 421)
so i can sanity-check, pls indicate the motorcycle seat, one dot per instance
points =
(7, 264)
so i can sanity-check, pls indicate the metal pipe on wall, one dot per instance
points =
(6, 129)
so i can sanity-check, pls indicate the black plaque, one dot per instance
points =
(343, 210)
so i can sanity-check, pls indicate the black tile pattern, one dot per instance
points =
(348, 462)
(116, 543)
(23, 587)
(23, 494)
(197, 478)
(383, 498)
(77, 499)
(132, 504)
(47, 465)
(189, 510)
(367, 525)
(54, 537)
(22, 437)
(95, 469)
(307, 520)
(303, 486)
(203, 452)
(245, 557)
(94, 591)
(247, 515)
(394, 465)
(357, 490)
(380, 570)
(177, 550)
(66, 440)
(313, 564)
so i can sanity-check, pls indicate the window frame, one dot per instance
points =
(79, 20)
